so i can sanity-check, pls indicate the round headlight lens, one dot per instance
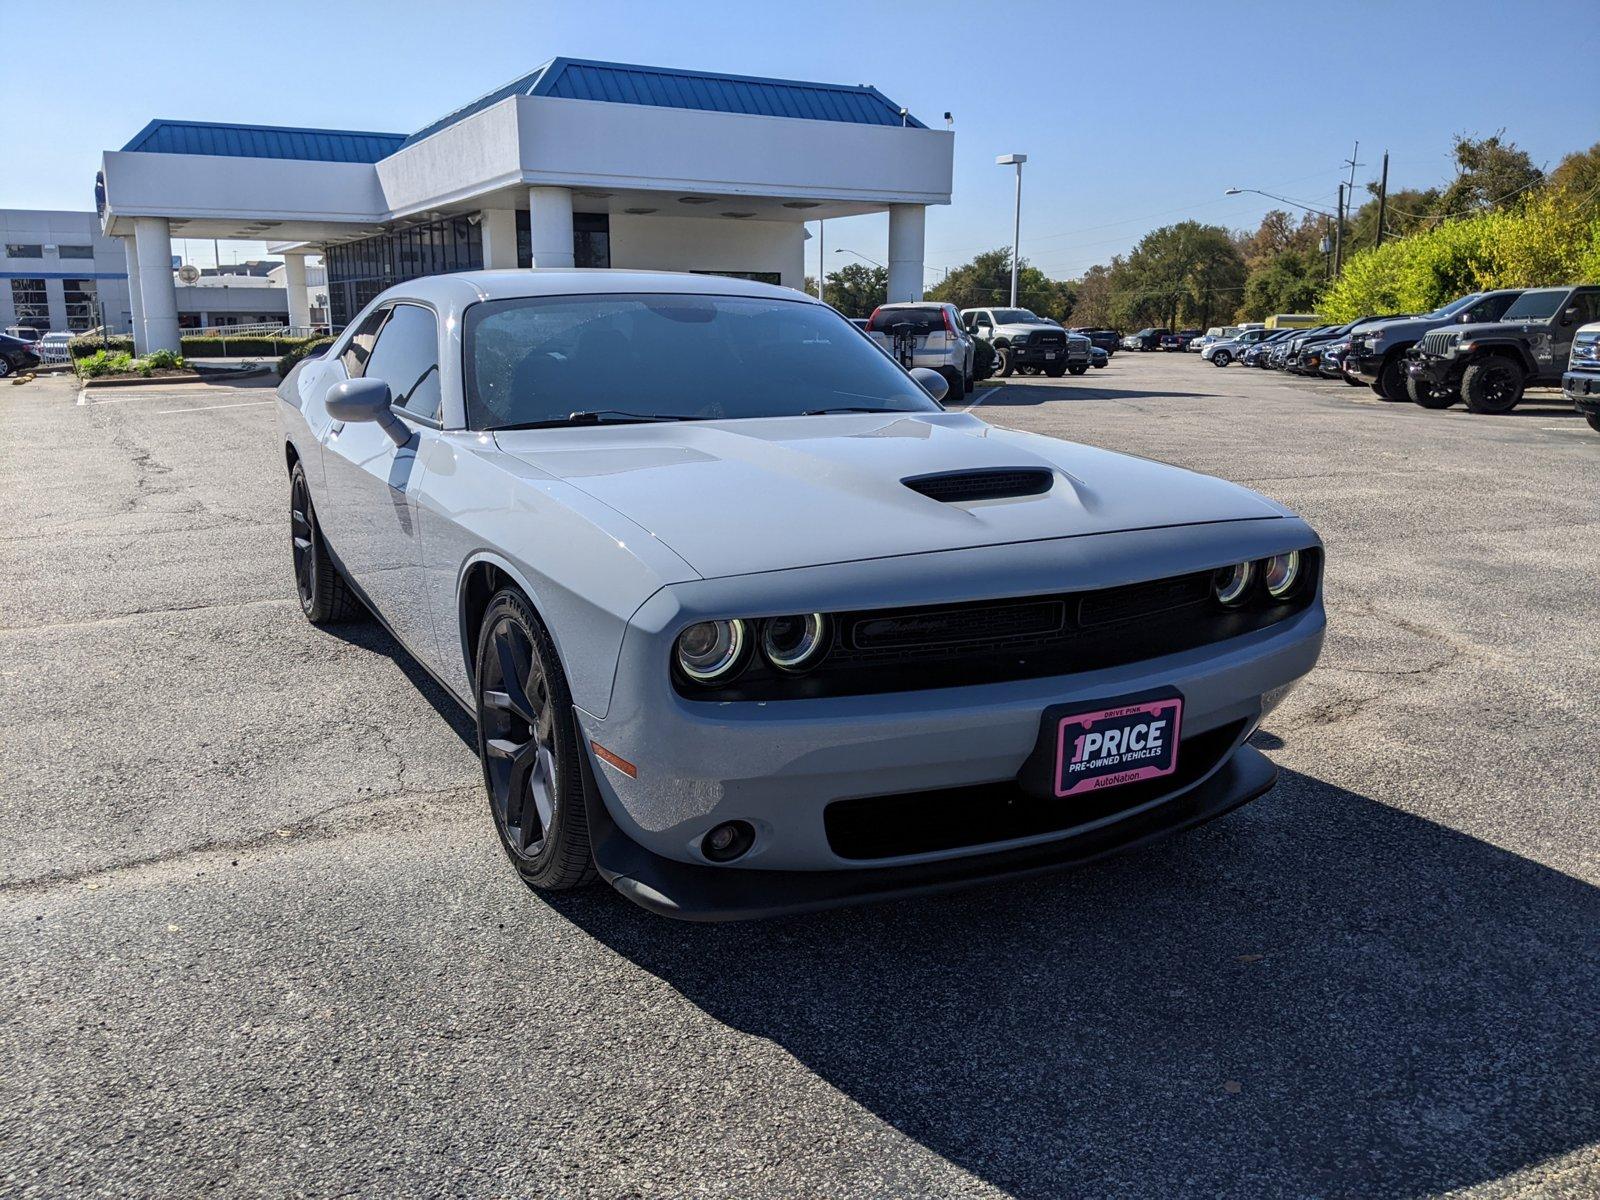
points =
(1232, 584)
(1282, 573)
(710, 650)
(794, 643)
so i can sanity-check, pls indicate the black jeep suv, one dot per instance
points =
(1378, 353)
(1489, 365)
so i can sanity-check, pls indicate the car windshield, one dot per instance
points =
(1536, 306)
(1013, 316)
(1455, 306)
(541, 359)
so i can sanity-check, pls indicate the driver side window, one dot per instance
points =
(406, 357)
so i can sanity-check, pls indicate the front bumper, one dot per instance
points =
(1583, 389)
(704, 893)
(1026, 355)
(779, 765)
(1430, 370)
(1364, 367)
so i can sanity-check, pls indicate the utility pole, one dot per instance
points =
(1383, 198)
(1338, 233)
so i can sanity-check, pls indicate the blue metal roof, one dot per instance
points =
(706, 91)
(264, 141)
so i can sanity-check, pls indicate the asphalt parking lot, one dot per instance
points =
(257, 938)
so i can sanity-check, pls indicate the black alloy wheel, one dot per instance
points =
(325, 597)
(527, 743)
(1430, 395)
(1391, 382)
(1492, 386)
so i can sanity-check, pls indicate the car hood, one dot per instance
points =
(738, 497)
(1501, 328)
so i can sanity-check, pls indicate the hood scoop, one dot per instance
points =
(983, 483)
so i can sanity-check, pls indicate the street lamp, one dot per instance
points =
(861, 256)
(1280, 199)
(1014, 160)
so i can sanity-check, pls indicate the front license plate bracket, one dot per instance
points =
(1088, 746)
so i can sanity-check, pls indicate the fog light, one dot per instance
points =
(1282, 573)
(728, 841)
(1231, 585)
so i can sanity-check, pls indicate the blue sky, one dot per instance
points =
(1132, 116)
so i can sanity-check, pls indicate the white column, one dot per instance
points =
(158, 295)
(131, 255)
(550, 215)
(499, 231)
(294, 278)
(793, 274)
(907, 223)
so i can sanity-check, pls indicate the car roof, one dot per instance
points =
(465, 287)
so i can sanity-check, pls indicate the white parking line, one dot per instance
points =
(982, 396)
(161, 412)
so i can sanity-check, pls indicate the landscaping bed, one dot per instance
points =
(114, 369)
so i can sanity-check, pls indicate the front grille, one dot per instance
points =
(954, 818)
(1030, 637)
(957, 487)
(1440, 343)
(1047, 338)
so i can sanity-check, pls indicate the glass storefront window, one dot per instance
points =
(79, 295)
(359, 271)
(32, 305)
(75, 252)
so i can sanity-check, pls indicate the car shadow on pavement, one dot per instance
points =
(1318, 995)
(370, 635)
(1024, 395)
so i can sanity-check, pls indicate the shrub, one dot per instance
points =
(309, 347)
(158, 359)
(83, 347)
(1552, 238)
(101, 362)
(982, 359)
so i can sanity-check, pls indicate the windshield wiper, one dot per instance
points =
(823, 412)
(599, 416)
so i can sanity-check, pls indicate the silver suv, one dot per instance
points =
(926, 334)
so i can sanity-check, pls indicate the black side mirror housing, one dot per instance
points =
(366, 400)
(1569, 314)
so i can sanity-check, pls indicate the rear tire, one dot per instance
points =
(1429, 396)
(1594, 421)
(528, 747)
(325, 596)
(1391, 381)
(5, 368)
(1493, 385)
(1077, 370)
(957, 386)
(1057, 370)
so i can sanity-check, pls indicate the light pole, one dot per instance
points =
(1014, 160)
(861, 256)
(1326, 216)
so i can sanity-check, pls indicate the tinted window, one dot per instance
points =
(24, 250)
(359, 350)
(714, 357)
(75, 251)
(1588, 306)
(406, 357)
(922, 320)
(1536, 306)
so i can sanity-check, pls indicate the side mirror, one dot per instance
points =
(935, 384)
(366, 400)
(1569, 314)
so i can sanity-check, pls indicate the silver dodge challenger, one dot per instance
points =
(748, 623)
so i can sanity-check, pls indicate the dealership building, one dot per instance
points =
(577, 163)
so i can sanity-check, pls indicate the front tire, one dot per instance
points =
(1429, 395)
(1492, 386)
(1077, 370)
(1221, 358)
(1056, 370)
(1391, 382)
(1004, 363)
(1594, 421)
(528, 747)
(325, 596)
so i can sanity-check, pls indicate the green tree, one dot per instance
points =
(1094, 297)
(986, 280)
(1289, 282)
(1490, 173)
(1579, 175)
(857, 289)
(1183, 273)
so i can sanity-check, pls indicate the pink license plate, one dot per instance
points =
(1114, 746)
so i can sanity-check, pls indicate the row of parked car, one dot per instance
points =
(1483, 349)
